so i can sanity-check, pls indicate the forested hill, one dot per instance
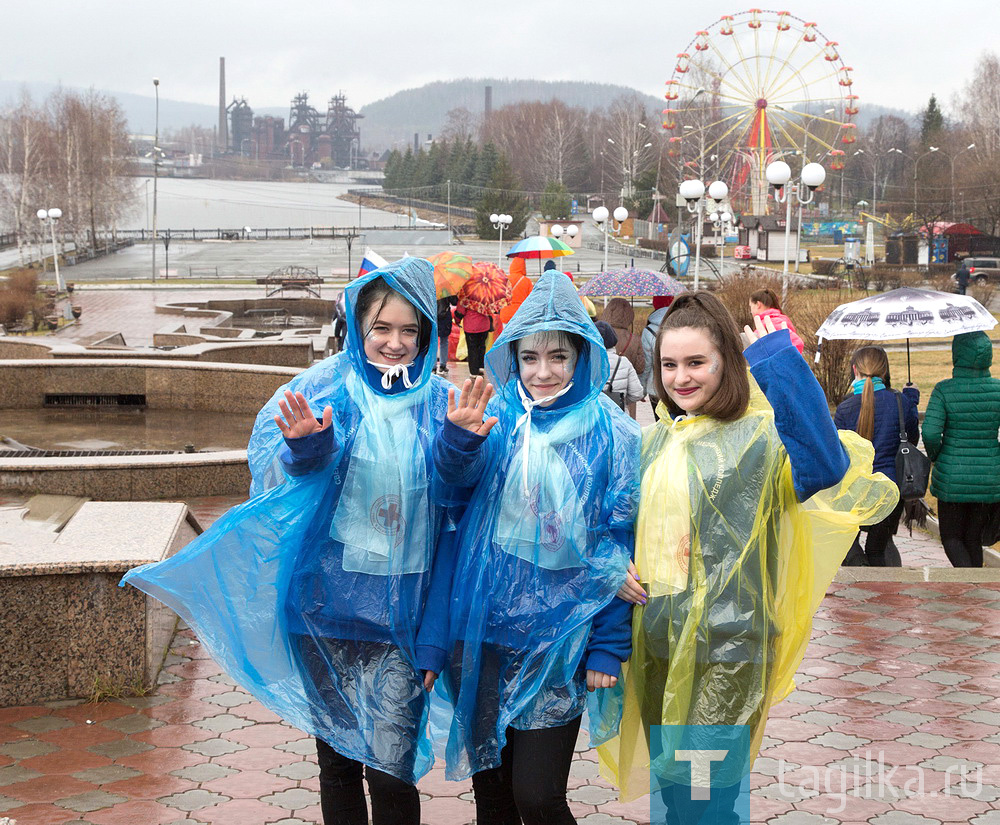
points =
(424, 110)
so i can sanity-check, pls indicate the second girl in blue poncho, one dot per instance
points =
(532, 621)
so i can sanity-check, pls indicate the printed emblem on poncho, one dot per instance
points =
(550, 523)
(683, 553)
(386, 517)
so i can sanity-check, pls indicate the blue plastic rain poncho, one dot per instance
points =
(311, 593)
(544, 544)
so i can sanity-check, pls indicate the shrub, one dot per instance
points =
(822, 266)
(14, 307)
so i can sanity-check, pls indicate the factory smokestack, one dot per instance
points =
(488, 107)
(223, 133)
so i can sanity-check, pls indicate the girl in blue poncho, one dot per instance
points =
(311, 593)
(532, 622)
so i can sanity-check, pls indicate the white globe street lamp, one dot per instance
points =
(601, 215)
(500, 222)
(693, 191)
(51, 216)
(779, 175)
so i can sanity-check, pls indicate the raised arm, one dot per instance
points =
(458, 455)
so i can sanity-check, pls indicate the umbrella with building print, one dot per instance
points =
(907, 313)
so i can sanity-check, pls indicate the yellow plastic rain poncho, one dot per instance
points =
(735, 566)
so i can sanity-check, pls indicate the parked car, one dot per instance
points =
(982, 270)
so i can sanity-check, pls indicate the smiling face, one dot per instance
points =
(391, 332)
(546, 362)
(690, 367)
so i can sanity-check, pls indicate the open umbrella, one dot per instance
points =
(537, 247)
(487, 291)
(906, 313)
(451, 271)
(633, 282)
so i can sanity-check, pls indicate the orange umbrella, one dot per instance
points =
(487, 291)
(451, 271)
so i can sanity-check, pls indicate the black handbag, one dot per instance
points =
(617, 397)
(913, 468)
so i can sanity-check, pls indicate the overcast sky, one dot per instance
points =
(901, 52)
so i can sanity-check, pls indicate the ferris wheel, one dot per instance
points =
(754, 87)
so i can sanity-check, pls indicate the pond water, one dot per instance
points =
(94, 429)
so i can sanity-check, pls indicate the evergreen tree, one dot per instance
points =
(931, 122)
(556, 202)
(502, 196)
(392, 170)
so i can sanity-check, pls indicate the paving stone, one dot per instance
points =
(966, 697)
(604, 819)
(804, 697)
(902, 818)
(592, 795)
(844, 658)
(984, 793)
(982, 593)
(893, 625)
(303, 747)
(307, 770)
(144, 702)
(924, 592)
(905, 717)
(905, 641)
(223, 723)
(944, 677)
(865, 677)
(293, 799)
(975, 641)
(920, 657)
(821, 717)
(954, 764)
(885, 698)
(120, 748)
(109, 773)
(15, 773)
(943, 607)
(838, 740)
(167, 678)
(192, 822)
(835, 641)
(992, 656)
(954, 623)
(133, 723)
(927, 740)
(214, 747)
(90, 801)
(8, 804)
(765, 743)
(42, 724)
(59, 704)
(223, 679)
(293, 820)
(27, 748)
(229, 699)
(802, 818)
(876, 608)
(988, 818)
(173, 659)
(193, 800)
(786, 792)
(855, 766)
(205, 772)
(767, 766)
(854, 593)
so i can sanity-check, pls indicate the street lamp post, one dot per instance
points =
(156, 165)
(557, 231)
(500, 222)
(722, 221)
(952, 159)
(693, 191)
(50, 216)
(600, 216)
(916, 162)
(896, 151)
(779, 175)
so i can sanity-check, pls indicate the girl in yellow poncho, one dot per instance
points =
(749, 502)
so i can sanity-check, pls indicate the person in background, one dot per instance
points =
(624, 382)
(962, 277)
(960, 436)
(872, 411)
(660, 305)
(620, 316)
(764, 303)
(477, 329)
(444, 306)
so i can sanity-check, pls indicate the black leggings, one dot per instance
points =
(475, 343)
(342, 792)
(530, 784)
(962, 525)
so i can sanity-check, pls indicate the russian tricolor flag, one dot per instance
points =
(371, 261)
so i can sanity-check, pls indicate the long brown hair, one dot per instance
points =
(702, 310)
(870, 362)
(767, 297)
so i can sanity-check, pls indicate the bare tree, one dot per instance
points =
(460, 125)
(23, 160)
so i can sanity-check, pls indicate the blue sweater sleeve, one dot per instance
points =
(611, 631)
(309, 453)
(459, 455)
(801, 414)
(432, 636)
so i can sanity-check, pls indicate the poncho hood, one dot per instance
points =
(552, 305)
(413, 278)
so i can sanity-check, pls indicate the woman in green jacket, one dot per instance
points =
(960, 435)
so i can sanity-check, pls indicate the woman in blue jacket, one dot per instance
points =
(311, 594)
(533, 622)
(872, 411)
